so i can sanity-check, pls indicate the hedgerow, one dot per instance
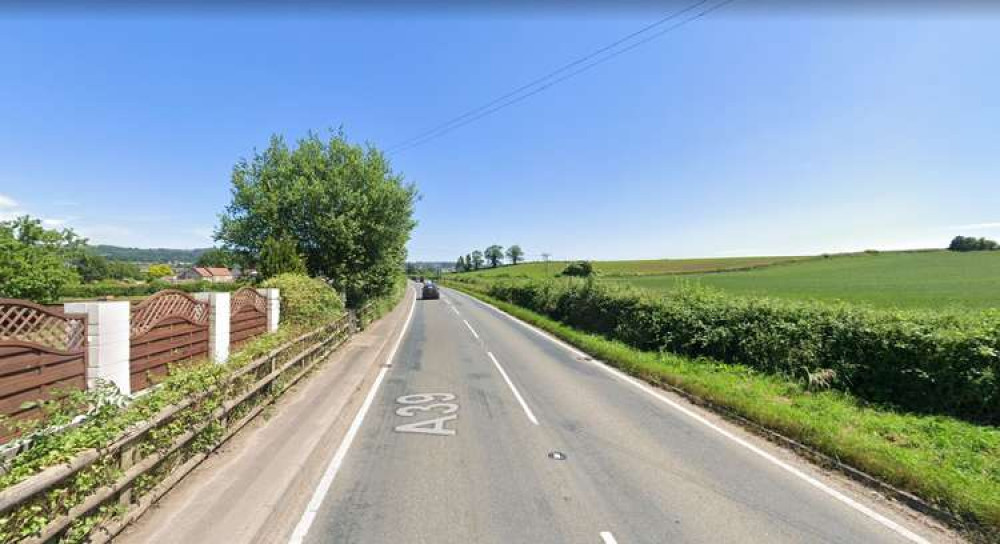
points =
(920, 361)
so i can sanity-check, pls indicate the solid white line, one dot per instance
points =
(474, 333)
(517, 394)
(886, 522)
(454, 310)
(305, 522)
(608, 538)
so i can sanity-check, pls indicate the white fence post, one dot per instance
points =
(107, 341)
(273, 307)
(218, 325)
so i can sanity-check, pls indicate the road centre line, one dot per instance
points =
(608, 538)
(474, 333)
(305, 522)
(517, 394)
(868, 512)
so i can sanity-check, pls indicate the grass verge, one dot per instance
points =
(949, 463)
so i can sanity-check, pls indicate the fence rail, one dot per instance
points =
(244, 394)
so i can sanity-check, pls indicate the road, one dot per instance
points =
(484, 430)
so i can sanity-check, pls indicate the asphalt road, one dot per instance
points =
(485, 431)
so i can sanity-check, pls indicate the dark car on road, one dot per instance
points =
(430, 291)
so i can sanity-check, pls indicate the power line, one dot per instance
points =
(503, 102)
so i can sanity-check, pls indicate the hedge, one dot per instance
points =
(921, 361)
(123, 289)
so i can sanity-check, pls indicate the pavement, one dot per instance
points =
(486, 430)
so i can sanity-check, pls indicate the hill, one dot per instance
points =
(143, 255)
(650, 267)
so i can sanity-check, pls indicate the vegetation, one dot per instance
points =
(34, 261)
(494, 254)
(157, 271)
(579, 269)
(92, 267)
(131, 290)
(970, 243)
(476, 258)
(280, 255)
(928, 362)
(640, 268)
(905, 280)
(348, 212)
(951, 463)
(306, 300)
(217, 258)
(515, 254)
(141, 255)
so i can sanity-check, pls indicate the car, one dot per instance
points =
(430, 291)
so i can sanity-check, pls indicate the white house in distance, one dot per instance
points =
(212, 274)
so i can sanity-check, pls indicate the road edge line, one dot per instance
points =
(319, 494)
(517, 394)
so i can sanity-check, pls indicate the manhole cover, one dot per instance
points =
(585, 358)
(557, 455)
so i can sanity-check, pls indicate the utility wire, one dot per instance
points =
(503, 102)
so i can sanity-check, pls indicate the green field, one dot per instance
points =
(636, 268)
(918, 279)
(937, 279)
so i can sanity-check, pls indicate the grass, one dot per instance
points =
(933, 280)
(951, 463)
(538, 270)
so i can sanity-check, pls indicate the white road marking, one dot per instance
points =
(608, 538)
(884, 521)
(454, 310)
(517, 394)
(305, 522)
(474, 333)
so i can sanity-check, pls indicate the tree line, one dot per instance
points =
(971, 243)
(494, 255)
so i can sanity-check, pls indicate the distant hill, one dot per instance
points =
(144, 255)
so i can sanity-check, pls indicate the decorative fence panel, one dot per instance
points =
(166, 328)
(247, 315)
(42, 351)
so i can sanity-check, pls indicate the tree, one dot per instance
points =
(157, 271)
(348, 212)
(216, 258)
(971, 243)
(477, 259)
(468, 262)
(280, 255)
(460, 264)
(35, 261)
(580, 269)
(515, 254)
(494, 254)
(92, 267)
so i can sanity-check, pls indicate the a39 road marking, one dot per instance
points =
(432, 404)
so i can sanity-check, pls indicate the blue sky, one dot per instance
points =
(740, 134)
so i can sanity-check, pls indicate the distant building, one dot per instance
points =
(212, 274)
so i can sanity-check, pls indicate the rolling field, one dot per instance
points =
(932, 280)
(537, 270)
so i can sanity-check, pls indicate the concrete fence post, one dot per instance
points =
(273, 308)
(107, 341)
(218, 325)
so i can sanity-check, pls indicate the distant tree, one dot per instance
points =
(92, 267)
(216, 258)
(515, 254)
(477, 259)
(971, 243)
(157, 271)
(280, 255)
(121, 270)
(35, 262)
(494, 254)
(580, 269)
(468, 262)
(460, 264)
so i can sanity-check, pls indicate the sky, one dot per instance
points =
(745, 132)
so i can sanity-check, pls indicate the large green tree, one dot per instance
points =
(216, 258)
(477, 259)
(35, 262)
(494, 254)
(280, 256)
(349, 213)
(515, 254)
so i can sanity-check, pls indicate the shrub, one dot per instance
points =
(579, 269)
(927, 362)
(305, 299)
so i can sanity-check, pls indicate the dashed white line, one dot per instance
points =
(454, 310)
(608, 538)
(305, 522)
(868, 512)
(473, 331)
(517, 394)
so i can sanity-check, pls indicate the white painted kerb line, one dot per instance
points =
(305, 522)
(884, 521)
(517, 394)
(608, 538)
(473, 331)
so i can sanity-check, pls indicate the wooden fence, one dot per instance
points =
(140, 456)
(247, 316)
(166, 328)
(42, 351)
